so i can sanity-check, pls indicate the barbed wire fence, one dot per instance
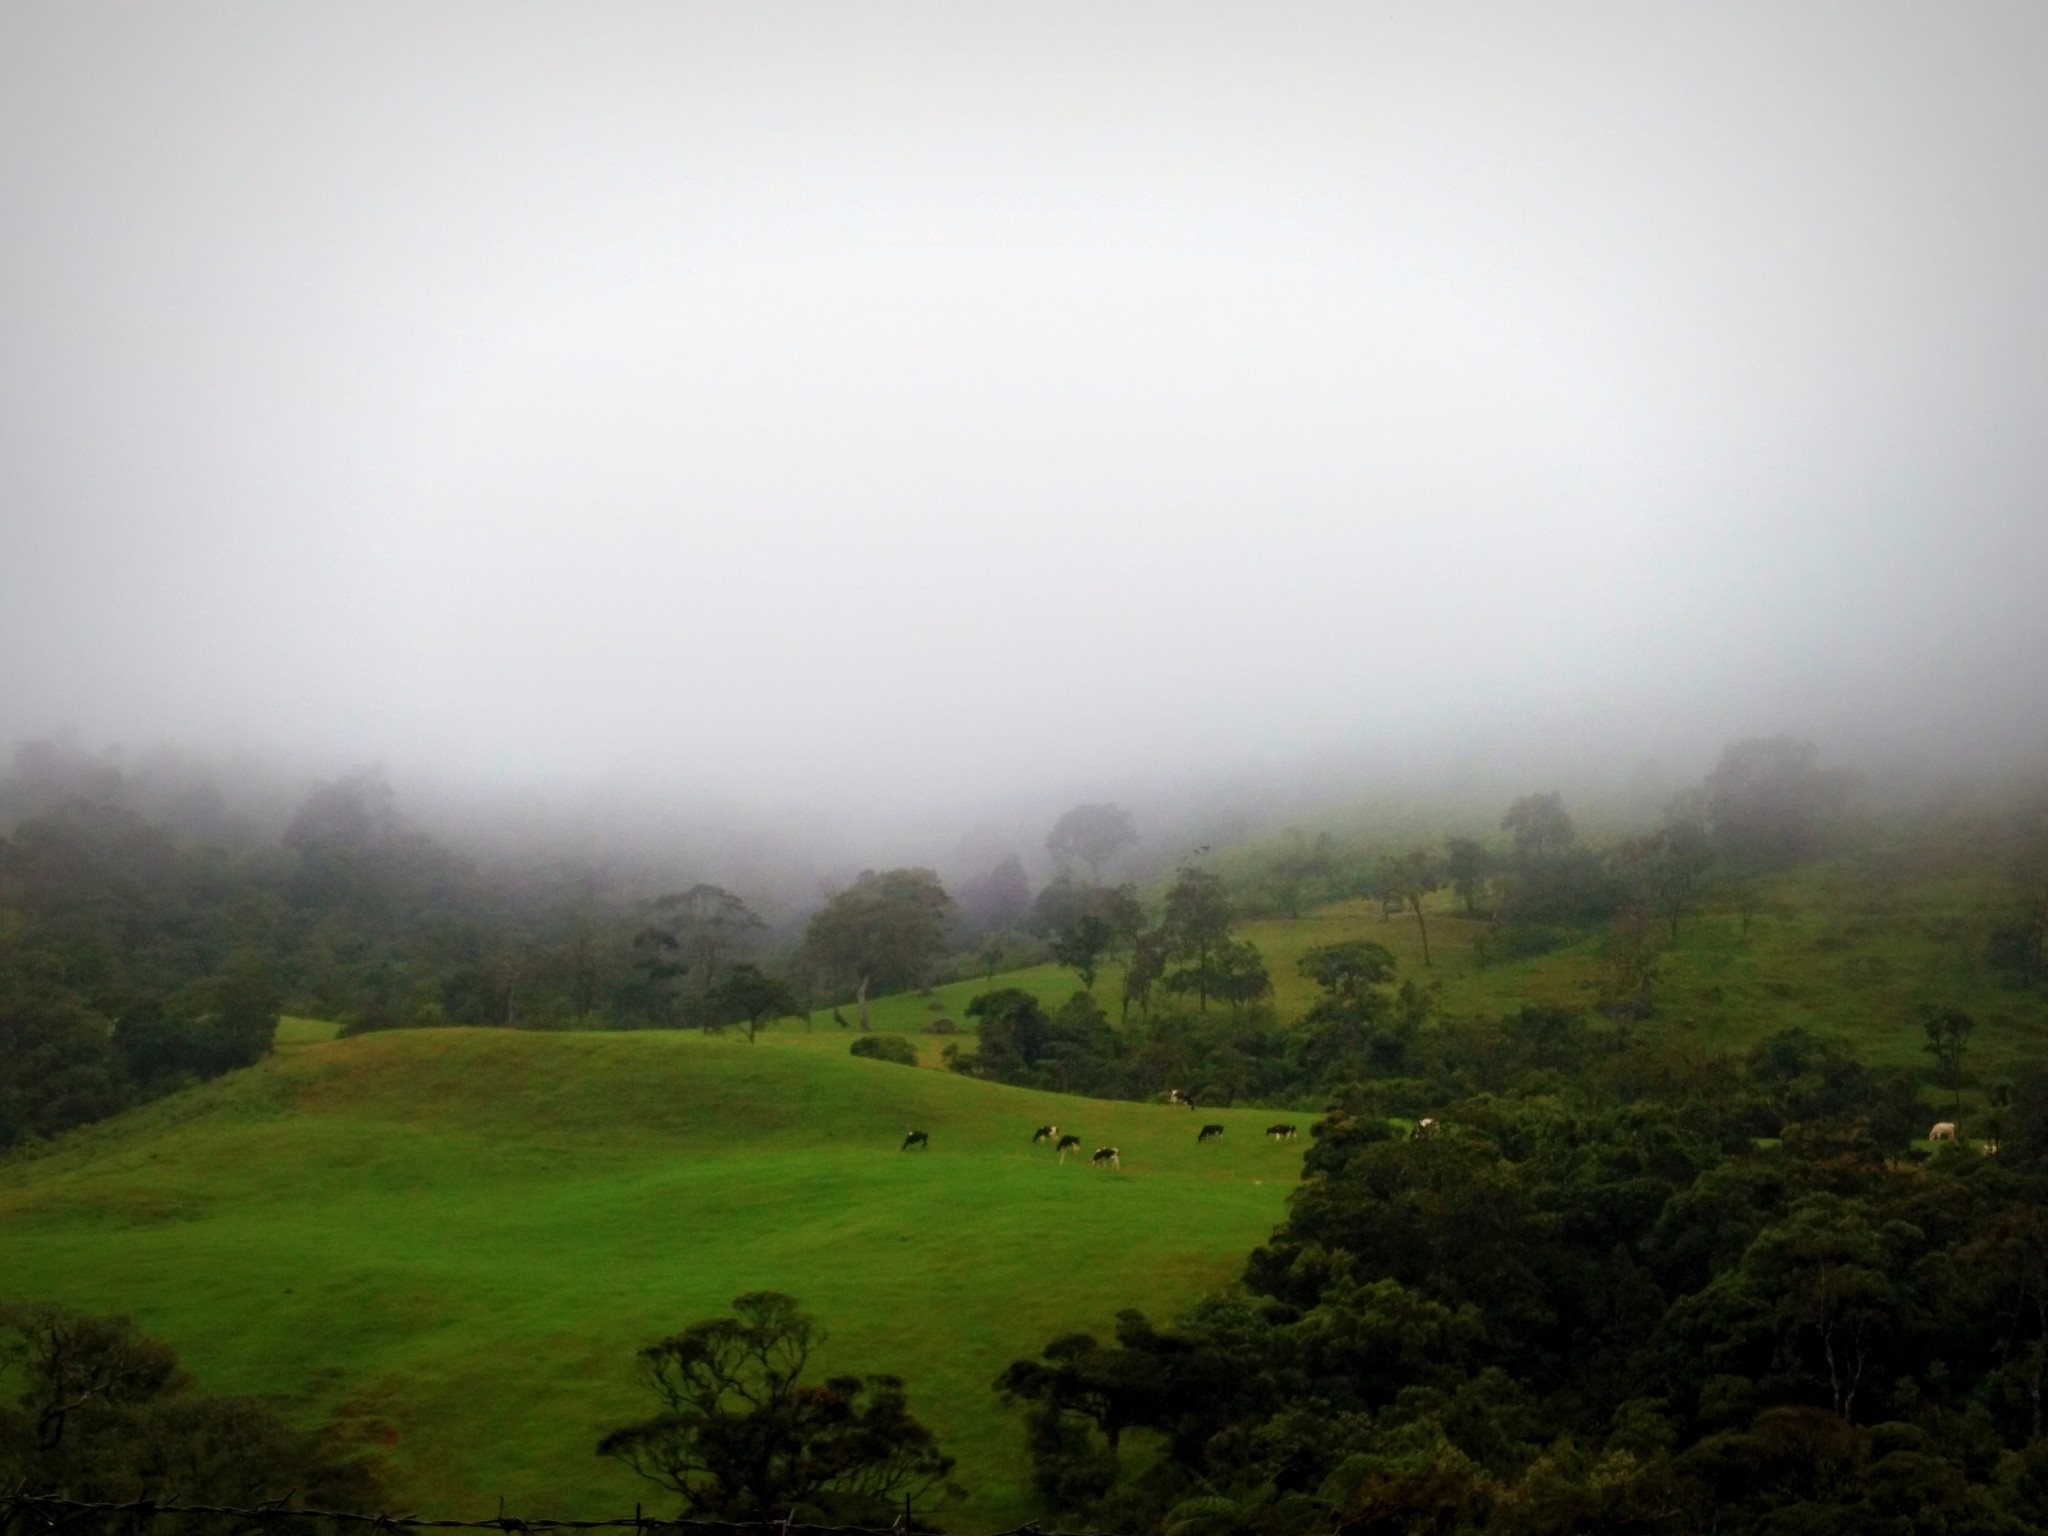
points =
(31, 1514)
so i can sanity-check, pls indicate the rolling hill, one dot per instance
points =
(454, 1240)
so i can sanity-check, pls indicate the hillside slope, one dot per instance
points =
(456, 1239)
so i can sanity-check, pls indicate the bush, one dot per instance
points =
(886, 1048)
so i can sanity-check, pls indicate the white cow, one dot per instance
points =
(1944, 1130)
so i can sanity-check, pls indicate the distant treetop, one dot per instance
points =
(1094, 834)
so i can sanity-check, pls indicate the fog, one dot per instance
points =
(932, 412)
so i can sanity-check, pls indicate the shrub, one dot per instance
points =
(886, 1048)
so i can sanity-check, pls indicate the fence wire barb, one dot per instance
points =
(54, 1512)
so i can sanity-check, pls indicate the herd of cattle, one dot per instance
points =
(1426, 1127)
(1108, 1157)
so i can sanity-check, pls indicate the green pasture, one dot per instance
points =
(455, 1239)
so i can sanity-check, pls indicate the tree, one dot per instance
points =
(105, 1414)
(1413, 876)
(740, 1436)
(1466, 866)
(1196, 925)
(707, 923)
(1094, 834)
(1629, 962)
(1769, 802)
(1081, 945)
(1677, 864)
(1948, 1033)
(1142, 971)
(749, 996)
(998, 900)
(1540, 826)
(885, 930)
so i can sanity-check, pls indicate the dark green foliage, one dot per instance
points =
(58, 1066)
(1196, 927)
(1081, 945)
(886, 1048)
(1592, 1299)
(748, 996)
(209, 1026)
(1467, 866)
(101, 1412)
(739, 1435)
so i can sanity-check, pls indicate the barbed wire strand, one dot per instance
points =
(50, 1505)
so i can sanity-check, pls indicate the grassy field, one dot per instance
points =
(455, 1239)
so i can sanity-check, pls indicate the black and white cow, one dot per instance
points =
(1424, 1129)
(1069, 1144)
(1208, 1133)
(1105, 1157)
(919, 1139)
(1045, 1133)
(1181, 1096)
(1281, 1132)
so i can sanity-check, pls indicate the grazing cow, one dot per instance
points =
(1069, 1144)
(1424, 1129)
(1209, 1133)
(1281, 1132)
(1944, 1130)
(921, 1139)
(1181, 1096)
(1045, 1133)
(1105, 1157)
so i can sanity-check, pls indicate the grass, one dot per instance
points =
(454, 1240)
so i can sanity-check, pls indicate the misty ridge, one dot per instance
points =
(131, 882)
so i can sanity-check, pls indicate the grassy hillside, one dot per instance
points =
(1853, 947)
(455, 1239)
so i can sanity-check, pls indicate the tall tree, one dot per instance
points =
(1540, 826)
(883, 931)
(709, 924)
(1948, 1033)
(1094, 834)
(1466, 866)
(1414, 876)
(1770, 802)
(998, 900)
(1196, 926)
(1081, 945)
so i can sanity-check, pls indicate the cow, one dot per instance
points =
(1943, 1130)
(1282, 1132)
(919, 1139)
(1105, 1157)
(1069, 1144)
(1424, 1129)
(1045, 1133)
(1181, 1096)
(1989, 1148)
(1208, 1133)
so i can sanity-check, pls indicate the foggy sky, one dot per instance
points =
(861, 404)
